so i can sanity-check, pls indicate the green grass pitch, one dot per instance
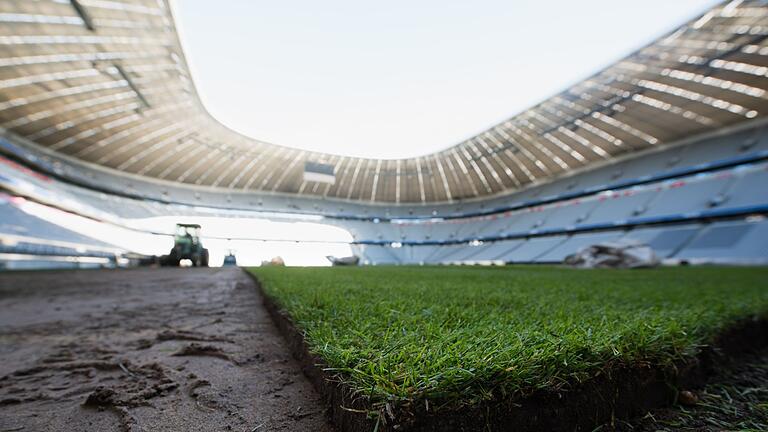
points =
(470, 334)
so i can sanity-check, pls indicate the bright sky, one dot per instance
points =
(401, 78)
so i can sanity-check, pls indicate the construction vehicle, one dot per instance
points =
(230, 259)
(187, 246)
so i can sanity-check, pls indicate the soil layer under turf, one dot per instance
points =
(529, 348)
(735, 399)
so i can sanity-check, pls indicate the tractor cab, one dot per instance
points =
(187, 235)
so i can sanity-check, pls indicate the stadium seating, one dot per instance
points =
(739, 144)
(29, 242)
(737, 241)
(683, 200)
(665, 241)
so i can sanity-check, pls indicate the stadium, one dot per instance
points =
(453, 302)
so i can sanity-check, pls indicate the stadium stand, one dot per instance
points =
(28, 242)
(668, 146)
(539, 224)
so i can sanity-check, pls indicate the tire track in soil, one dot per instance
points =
(146, 350)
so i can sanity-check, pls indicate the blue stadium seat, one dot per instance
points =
(729, 242)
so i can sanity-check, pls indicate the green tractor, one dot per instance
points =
(187, 245)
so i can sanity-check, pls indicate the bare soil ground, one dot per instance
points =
(146, 350)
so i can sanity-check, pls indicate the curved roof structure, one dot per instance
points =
(106, 82)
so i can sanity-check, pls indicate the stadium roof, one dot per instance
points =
(106, 82)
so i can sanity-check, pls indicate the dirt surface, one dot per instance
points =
(146, 350)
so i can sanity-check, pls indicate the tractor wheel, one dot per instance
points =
(204, 258)
(173, 259)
